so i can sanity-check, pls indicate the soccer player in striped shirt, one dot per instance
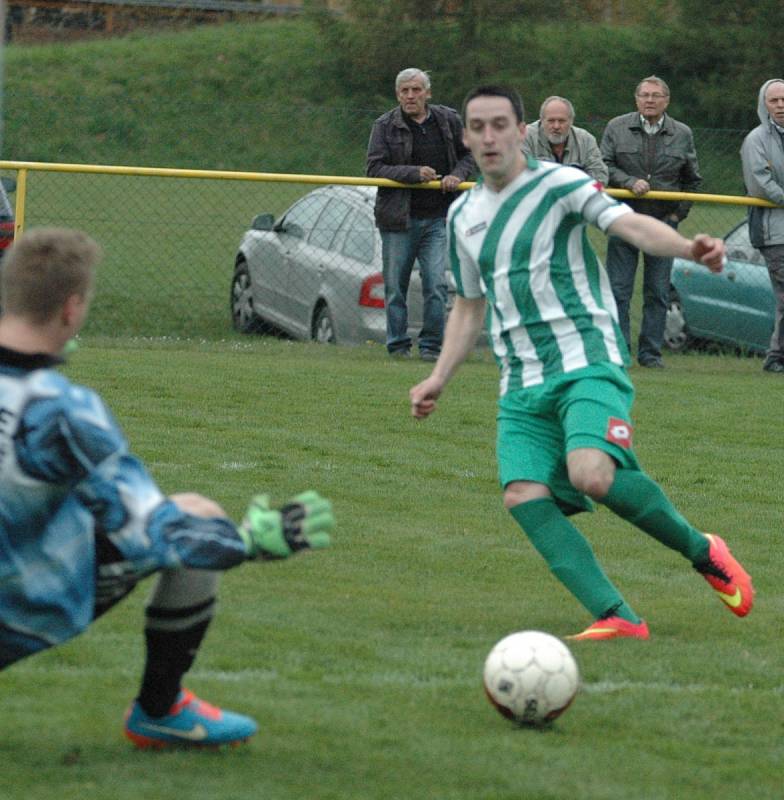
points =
(520, 256)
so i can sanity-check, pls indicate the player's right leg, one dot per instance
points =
(533, 473)
(571, 559)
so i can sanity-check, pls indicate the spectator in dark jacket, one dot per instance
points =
(647, 149)
(416, 142)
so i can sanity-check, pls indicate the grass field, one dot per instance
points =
(363, 663)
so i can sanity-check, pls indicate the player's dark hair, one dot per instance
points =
(491, 90)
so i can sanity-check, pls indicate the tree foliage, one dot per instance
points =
(714, 53)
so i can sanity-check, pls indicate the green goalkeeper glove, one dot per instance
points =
(303, 523)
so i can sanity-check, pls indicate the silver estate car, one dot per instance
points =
(315, 273)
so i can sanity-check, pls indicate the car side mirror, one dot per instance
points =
(263, 222)
(292, 229)
(737, 255)
(9, 184)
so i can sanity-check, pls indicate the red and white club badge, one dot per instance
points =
(619, 432)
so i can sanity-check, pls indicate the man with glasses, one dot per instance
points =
(648, 150)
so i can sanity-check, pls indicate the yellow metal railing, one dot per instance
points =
(23, 167)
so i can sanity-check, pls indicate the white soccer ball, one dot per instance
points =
(531, 677)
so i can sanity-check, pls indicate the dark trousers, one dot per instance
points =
(622, 260)
(774, 258)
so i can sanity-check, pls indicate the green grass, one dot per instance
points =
(363, 663)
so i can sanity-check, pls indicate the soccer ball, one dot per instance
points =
(531, 677)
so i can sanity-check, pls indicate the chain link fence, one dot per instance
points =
(201, 254)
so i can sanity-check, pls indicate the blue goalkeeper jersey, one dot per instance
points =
(67, 477)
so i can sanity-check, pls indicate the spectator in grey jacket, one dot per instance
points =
(555, 137)
(762, 155)
(413, 143)
(644, 150)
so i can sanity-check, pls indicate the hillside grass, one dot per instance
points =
(363, 663)
(297, 96)
(236, 96)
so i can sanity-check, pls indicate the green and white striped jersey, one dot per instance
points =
(526, 249)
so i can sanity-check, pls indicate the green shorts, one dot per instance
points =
(538, 426)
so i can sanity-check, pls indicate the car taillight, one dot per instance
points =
(371, 294)
(6, 234)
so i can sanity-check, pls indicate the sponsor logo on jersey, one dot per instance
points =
(476, 229)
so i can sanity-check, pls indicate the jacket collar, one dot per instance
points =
(398, 119)
(28, 361)
(667, 125)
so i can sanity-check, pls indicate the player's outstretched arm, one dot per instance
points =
(303, 523)
(659, 239)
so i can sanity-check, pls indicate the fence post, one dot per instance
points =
(21, 197)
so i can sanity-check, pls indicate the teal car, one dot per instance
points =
(734, 308)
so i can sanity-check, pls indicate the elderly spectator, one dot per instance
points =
(413, 143)
(647, 149)
(555, 137)
(762, 156)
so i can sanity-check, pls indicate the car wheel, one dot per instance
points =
(676, 332)
(323, 326)
(243, 316)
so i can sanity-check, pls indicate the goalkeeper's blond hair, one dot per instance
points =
(44, 267)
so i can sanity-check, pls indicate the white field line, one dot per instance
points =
(397, 679)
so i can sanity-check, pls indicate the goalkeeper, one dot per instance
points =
(82, 521)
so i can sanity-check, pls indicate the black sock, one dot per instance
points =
(170, 654)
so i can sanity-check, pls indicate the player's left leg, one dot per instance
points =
(639, 499)
(164, 713)
(603, 406)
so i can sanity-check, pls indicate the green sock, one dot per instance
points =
(637, 498)
(570, 558)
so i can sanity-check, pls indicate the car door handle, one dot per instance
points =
(731, 276)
